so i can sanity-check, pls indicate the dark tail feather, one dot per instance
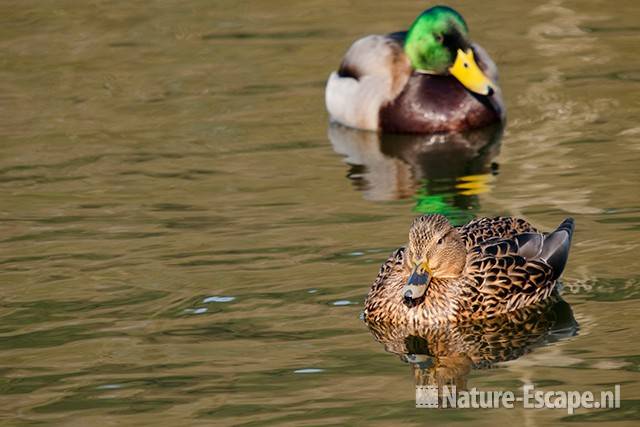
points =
(555, 249)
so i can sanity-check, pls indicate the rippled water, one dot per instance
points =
(185, 241)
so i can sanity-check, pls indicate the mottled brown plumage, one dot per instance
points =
(452, 274)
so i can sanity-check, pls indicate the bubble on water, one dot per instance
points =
(308, 371)
(196, 310)
(109, 387)
(218, 299)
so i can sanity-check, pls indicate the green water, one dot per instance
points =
(157, 154)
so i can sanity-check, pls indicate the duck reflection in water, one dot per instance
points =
(445, 355)
(444, 172)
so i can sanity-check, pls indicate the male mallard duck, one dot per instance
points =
(429, 79)
(452, 274)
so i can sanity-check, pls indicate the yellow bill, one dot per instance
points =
(466, 70)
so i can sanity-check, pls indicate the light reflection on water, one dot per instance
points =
(154, 157)
(444, 173)
(445, 355)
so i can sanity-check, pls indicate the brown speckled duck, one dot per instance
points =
(431, 78)
(452, 274)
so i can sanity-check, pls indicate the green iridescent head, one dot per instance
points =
(432, 36)
(438, 43)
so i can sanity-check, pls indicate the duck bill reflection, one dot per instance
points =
(416, 286)
(466, 70)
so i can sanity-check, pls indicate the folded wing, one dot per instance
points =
(516, 271)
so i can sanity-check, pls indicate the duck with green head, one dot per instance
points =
(431, 78)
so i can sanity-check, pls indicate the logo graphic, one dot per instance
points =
(426, 396)
(449, 397)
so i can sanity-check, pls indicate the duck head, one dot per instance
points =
(435, 251)
(438, 43)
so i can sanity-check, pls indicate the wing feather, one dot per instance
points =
(373, 72)
(511, 264)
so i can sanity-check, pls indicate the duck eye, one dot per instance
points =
(440, 241)
(439, 38)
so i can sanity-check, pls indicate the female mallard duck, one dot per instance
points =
(452, 274)
(431, 78)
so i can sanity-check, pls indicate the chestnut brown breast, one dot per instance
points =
(432, 103)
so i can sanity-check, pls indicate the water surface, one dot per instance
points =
(182, 243)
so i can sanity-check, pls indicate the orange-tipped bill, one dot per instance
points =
(417, 284)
